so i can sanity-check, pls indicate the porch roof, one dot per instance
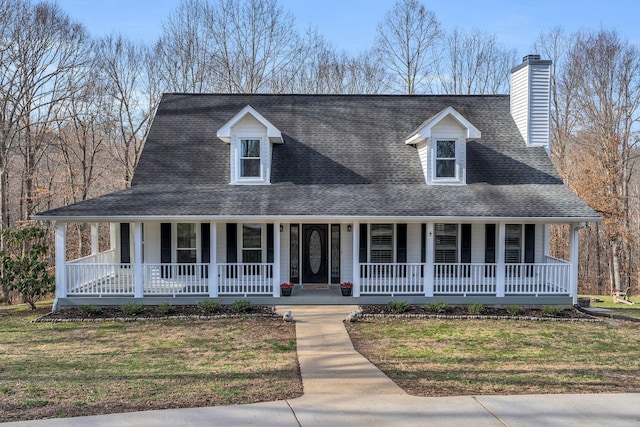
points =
(554, 202)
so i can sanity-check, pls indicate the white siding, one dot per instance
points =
(539, 105)
(414, 247)
(539, 248)
(530, 97)
(519, 100)
(285, 248)
(346, 254)
(477, 242)
(423, 154)
(221, 244)
(152, 242)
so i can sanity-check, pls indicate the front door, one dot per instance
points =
(315, 265)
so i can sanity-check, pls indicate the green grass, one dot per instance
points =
(87, 368)
(462, 357)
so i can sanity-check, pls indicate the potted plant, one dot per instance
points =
(285, 289)
(346, 288)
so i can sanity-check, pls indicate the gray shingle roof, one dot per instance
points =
(343, 155)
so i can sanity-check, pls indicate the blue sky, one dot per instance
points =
(350, 24)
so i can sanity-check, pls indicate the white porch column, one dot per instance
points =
(573, 257)
(94, 238)
(429, 280)
(501, 271)
(113, 235)
(276, 260)
(138, 276)
(547, 248)
(213, 260)
(61, 260)
(355, 230)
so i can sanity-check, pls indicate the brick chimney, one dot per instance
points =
(530, 100)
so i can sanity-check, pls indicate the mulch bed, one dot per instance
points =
(463, 312)
(152, 312)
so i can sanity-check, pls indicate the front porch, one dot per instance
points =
(104, 279)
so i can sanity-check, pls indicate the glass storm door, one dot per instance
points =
(315, 254)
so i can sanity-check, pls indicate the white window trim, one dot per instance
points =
(459, 178)
(393, 239)
(458, 241)
(521, 245)
(265, 172)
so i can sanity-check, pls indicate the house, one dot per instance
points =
(416, 198)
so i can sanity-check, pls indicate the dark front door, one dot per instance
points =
(315, 266)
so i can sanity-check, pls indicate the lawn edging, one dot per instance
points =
(354, 317)
(46, 319)
(607, 315)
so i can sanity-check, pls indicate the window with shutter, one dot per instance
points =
(381, 246)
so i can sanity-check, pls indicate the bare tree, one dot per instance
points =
(405, 44)
(133, 97)
(474, 63)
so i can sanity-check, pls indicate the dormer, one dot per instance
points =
(251, 138)
(442, 146)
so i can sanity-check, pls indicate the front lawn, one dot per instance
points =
(72, 369)
(471, 357)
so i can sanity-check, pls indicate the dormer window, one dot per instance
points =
(442, 146)
(249, 158)
(445, 159)
(251, 138)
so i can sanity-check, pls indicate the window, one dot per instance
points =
(335, 253)
(381, 243)
(445, 159)
(294, 270)
(186, 248)
(513, 243)
(446, 243)
(249, 158)
(251, 243)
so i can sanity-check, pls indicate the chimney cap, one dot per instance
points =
(531, 59)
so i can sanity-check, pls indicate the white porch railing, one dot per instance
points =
(537, 279)
(464, 279)
(106, 257)
(99, 279)
(391, 279)
(176, 279)
(245, 279)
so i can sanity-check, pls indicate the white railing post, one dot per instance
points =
(138, 277)
(213, 257)
(501, 271)
(356, 258)
(573, 258)
(61, 260)
(276, 260)
(429, 279)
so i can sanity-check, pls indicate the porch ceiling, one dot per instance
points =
(546, 203)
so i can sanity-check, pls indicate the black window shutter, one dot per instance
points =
(205, 255)
(465, 243)
(490, 243)
(125, 243)
(401, 243)
(232, 243)
(270, 243)
(363, 243)
(530, 243)
(165, 248)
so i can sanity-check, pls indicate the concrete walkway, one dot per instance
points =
(342, 388)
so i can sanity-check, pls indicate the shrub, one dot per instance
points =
(398, 307)
(90, 310)
(132, 308)
(209, 306)
(165, 308)
(438, 307)
(552, 310)
(241, 306)
(475, 308)
(514, 309)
